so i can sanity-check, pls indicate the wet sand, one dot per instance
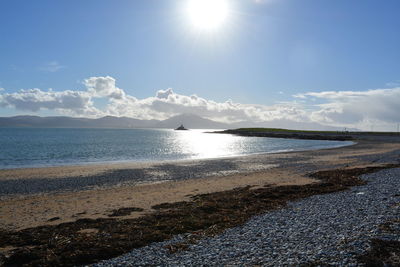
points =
(178, 181)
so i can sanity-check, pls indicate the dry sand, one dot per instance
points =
(19, 212)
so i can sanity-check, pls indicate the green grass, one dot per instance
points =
(279, 130)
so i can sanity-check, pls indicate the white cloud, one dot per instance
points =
(52, 66)
(353, 109)
(393, 84)
(167, 103)
(103, 87)
(164, 94)
(35, 99)
(164, 104)
(359, 108)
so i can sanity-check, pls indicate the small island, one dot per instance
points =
(181, 128)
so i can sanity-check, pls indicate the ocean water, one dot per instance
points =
(38, 147)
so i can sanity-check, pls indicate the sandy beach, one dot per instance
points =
(84, 214)
(173, 182)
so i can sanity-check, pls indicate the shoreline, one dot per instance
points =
(292, 134)
(88, 240)
(93, 167)
(75, 192)
(141, 163)
(185, 182)
(311, 135)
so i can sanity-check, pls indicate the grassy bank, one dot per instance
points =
(290, 134)
(310, 135)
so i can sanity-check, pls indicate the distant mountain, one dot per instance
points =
(190, 121)
(69, 122)
(122, 122)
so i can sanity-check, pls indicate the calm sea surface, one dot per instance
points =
(27, 147)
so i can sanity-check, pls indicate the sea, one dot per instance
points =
(44, 147)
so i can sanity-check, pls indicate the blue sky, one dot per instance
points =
(264, 53)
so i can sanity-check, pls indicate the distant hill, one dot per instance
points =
(69, 122)
(190, 121)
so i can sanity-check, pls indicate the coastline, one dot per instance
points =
(191, 178)
(291, 134)
(145, 163)
(312, 135)
(172, 181)
(91, 168)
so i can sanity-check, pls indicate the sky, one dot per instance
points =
(306, 61)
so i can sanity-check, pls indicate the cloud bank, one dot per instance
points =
(380, 107)
(354, 109)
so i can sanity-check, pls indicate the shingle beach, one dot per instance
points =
(86, 214)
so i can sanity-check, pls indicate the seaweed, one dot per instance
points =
(68, 244)
(124, 211)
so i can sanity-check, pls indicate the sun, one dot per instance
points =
(207, 14)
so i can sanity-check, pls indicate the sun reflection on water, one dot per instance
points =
(198, 144)
(54, 147)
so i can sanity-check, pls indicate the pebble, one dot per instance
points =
(327, 229)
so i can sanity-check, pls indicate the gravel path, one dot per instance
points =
(331, 229)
